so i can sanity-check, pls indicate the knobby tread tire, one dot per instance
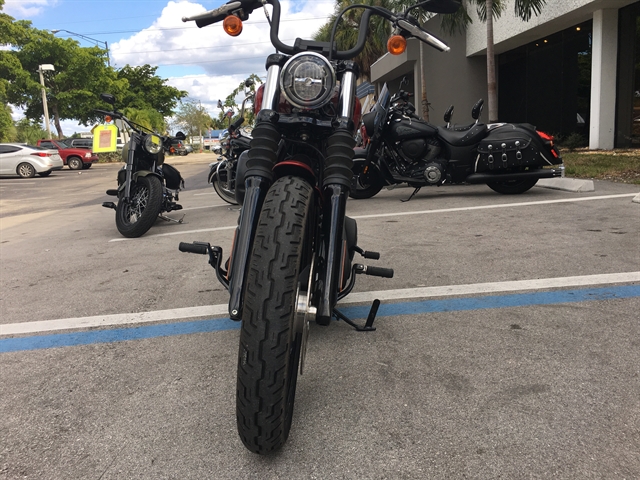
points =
(269, 351)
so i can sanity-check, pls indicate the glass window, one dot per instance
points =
(8, 149)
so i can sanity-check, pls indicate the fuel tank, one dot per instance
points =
(407, 129)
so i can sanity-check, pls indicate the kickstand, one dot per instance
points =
(368, 326)
(411, 196)
(169, 219)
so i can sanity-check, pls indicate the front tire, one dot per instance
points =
(270, 346)
(74, 163)
(134, 218)
(26, 170)
(223, 189)
(368, 183)
(513, 187)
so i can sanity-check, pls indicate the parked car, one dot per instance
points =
(177, 148)
(27, 160)
(79, 142)
(189, 148)
(74, 158)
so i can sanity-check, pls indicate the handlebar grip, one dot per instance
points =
(196, 247)
(379, 272)
(237, 123)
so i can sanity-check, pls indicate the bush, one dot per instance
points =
(573, 141)
(109, 157)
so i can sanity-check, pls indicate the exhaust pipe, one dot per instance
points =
(506, 177)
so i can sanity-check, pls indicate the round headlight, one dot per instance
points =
(307, 80)
(153, 144)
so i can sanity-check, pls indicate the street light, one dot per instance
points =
(44, 68)
(106, 46)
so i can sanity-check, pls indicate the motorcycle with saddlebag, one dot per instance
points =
(293, 250)
(145, 182)
(509, 158)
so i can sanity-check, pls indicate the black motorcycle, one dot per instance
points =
(510, 158)
(145, 181)
(292, 255)
(222, 174)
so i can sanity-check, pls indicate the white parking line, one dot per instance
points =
(419, 212)
(213, 310)
(170, 234)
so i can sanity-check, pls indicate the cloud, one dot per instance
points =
(224, 60)
(27, 8)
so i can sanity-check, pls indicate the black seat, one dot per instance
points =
(463, 138)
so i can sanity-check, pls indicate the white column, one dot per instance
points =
(604, 57)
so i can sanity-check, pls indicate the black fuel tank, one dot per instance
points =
(405, 129)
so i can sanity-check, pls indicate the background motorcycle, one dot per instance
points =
(402, 148)
(292, 255)
(222, 174)
(145, 182)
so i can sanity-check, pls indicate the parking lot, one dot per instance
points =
(507, 345)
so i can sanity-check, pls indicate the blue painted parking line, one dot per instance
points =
(386, 310)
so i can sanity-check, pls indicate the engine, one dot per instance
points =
(420, 160)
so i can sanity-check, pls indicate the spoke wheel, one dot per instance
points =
(270, 337)
(135, 217)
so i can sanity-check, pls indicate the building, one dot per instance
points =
(575, 69)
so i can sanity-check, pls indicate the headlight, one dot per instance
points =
(87, 155)
(153, 144)
(307, 80)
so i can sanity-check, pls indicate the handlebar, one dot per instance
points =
(242, 9)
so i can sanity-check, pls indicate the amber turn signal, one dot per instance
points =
(397, 44)
(232, 25)
(107, 119)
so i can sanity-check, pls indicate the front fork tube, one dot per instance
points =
(129, 168)
(256, 191)
(335, 206)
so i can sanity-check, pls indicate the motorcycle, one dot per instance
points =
(222, 174)
(294, 246)
(508, 157)
(145, 183)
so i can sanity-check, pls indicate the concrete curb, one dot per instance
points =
(567, 184)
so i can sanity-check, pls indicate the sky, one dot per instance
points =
(205, 62)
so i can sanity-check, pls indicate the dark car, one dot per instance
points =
(177, 148)
(79, 142)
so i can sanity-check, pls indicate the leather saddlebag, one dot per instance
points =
(510, 146)
(172, 177)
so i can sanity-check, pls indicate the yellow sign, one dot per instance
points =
(104, 138)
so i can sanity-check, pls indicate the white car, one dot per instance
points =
(27, 160)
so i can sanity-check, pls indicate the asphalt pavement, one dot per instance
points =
(507, 345)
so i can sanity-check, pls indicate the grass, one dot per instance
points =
(621, 166)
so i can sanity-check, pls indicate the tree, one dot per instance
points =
(29, 131)
(349, 29)
(192, 117)
(72, 89)
(524, 9)
(230, 104)
(146, 90)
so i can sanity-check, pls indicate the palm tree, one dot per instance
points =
(524, 9)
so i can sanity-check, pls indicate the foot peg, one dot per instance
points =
(109, 205)
(215, 257)
(113, 192)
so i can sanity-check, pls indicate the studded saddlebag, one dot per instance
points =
(509, 146)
